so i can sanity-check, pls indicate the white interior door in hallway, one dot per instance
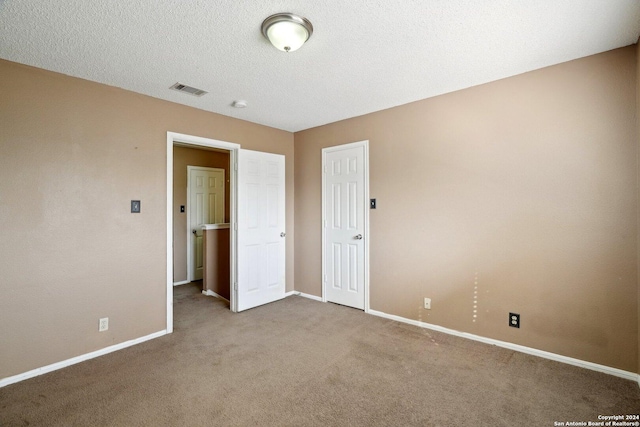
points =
(261, 228)
(345, 225)
(206, 206)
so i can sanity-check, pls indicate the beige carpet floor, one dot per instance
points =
(299, 362)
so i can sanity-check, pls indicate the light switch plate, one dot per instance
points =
(135, 206)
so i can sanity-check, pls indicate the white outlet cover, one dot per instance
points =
(427, 303)
(104, 324)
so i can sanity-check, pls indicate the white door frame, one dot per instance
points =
(184, 140)
(367, 240)
(190, 261)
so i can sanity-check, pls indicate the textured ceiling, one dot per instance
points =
(364, 55)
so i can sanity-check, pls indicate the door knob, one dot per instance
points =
(358, 237)
(194, 231)
(283, 234)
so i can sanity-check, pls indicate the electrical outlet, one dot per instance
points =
(514, 320)
(104, 324)
(427, 303)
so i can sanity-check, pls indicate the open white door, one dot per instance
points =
(261, 228)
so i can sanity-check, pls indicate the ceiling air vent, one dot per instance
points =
(188, 89)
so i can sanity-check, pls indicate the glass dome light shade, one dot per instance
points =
(287, 32)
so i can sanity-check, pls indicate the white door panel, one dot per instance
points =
(206, 206)
(344, 225)
(261, 228)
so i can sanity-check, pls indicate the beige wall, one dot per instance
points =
(72, 155)
(183, 157)
(526, 186)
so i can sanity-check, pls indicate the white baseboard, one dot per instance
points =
(516, 347)
(210, 293)
(184, 282)
(288, 294)
(59, 365)
(302, 294)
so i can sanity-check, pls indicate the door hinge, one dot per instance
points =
(236, 166)
(325, 169)
(235, 226)
(325, 278)
(235, 286)
(325, 223)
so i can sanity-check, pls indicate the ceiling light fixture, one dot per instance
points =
(286, 31)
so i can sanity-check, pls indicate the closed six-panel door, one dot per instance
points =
(206, 206)
(344, 228)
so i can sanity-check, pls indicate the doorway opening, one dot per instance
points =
(177, 143)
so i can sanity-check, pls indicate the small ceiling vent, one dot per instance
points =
(188, 89)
